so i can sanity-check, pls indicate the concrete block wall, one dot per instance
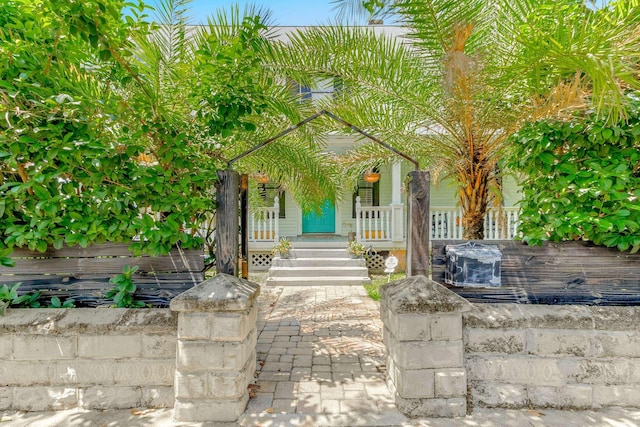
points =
(91, 358)
(565, 357)
(423, 336)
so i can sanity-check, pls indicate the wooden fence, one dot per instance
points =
(83, 274)
(554, 273)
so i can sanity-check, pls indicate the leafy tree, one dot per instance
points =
(73, 170)
(469, 74)
(113, 128)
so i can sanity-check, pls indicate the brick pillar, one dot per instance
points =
(423, 336)
(216, 356)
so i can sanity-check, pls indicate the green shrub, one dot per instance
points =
(123, 289)
(582, 181)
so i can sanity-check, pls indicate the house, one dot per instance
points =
(374, 214)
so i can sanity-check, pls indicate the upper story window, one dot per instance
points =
(322, 89)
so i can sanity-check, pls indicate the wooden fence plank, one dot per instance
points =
(93, 251)
(169, 263)
(84, 273)
(65, 278)
(568, 272)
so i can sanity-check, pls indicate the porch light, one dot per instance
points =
(262, 178)
(371, 176)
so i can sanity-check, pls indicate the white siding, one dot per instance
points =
(289, 225)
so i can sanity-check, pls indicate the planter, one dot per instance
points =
(285, 255)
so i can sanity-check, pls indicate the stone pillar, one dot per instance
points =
(216, 352)
(423, 336)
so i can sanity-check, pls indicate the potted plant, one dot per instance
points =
(282, 248)
(356, 249)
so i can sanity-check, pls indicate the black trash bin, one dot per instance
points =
(473, 265)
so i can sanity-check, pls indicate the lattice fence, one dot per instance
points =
(260, 261)
(375, 263)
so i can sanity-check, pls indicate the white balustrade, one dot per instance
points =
(446, 223)
(264, 223)
(373, 223)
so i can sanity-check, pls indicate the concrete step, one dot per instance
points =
(305, 272)
(318, 281)
(318, 267)
(319, 253)
(317, 262)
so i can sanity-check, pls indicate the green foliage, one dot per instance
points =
(28, 300)
(56, 303)
(356, 248)
(5, 261)
(70, 150)
(377, 280)
(582, 180)
(112, 129)
(282, 247)
(122, 292)
(10, 296)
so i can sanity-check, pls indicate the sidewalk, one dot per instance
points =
(321, 363)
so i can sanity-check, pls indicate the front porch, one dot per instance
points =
(381, 227)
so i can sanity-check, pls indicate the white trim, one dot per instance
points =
(396, 183)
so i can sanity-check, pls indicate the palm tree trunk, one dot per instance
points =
(474, 198)
(472, 225)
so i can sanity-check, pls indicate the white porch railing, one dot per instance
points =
(264, 223)
(373, 223)
(446, 223)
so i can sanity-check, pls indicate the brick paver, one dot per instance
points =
(319, 351)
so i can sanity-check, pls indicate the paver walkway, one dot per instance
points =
(320, 351)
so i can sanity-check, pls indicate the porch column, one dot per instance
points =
(396, 202)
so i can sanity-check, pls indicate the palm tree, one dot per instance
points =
(212, 84)
(468, 75)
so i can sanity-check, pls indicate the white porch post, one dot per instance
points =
(276, 219)
(396, 203)
(358, 229)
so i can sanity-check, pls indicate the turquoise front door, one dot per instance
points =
(323, 222)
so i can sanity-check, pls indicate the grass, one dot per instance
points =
(377, 280)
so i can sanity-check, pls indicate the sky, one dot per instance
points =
(284, 12)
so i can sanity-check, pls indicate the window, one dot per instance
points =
(369, 195)
(322, 88)
(268, 192)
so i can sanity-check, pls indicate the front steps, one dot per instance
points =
(318, 267)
